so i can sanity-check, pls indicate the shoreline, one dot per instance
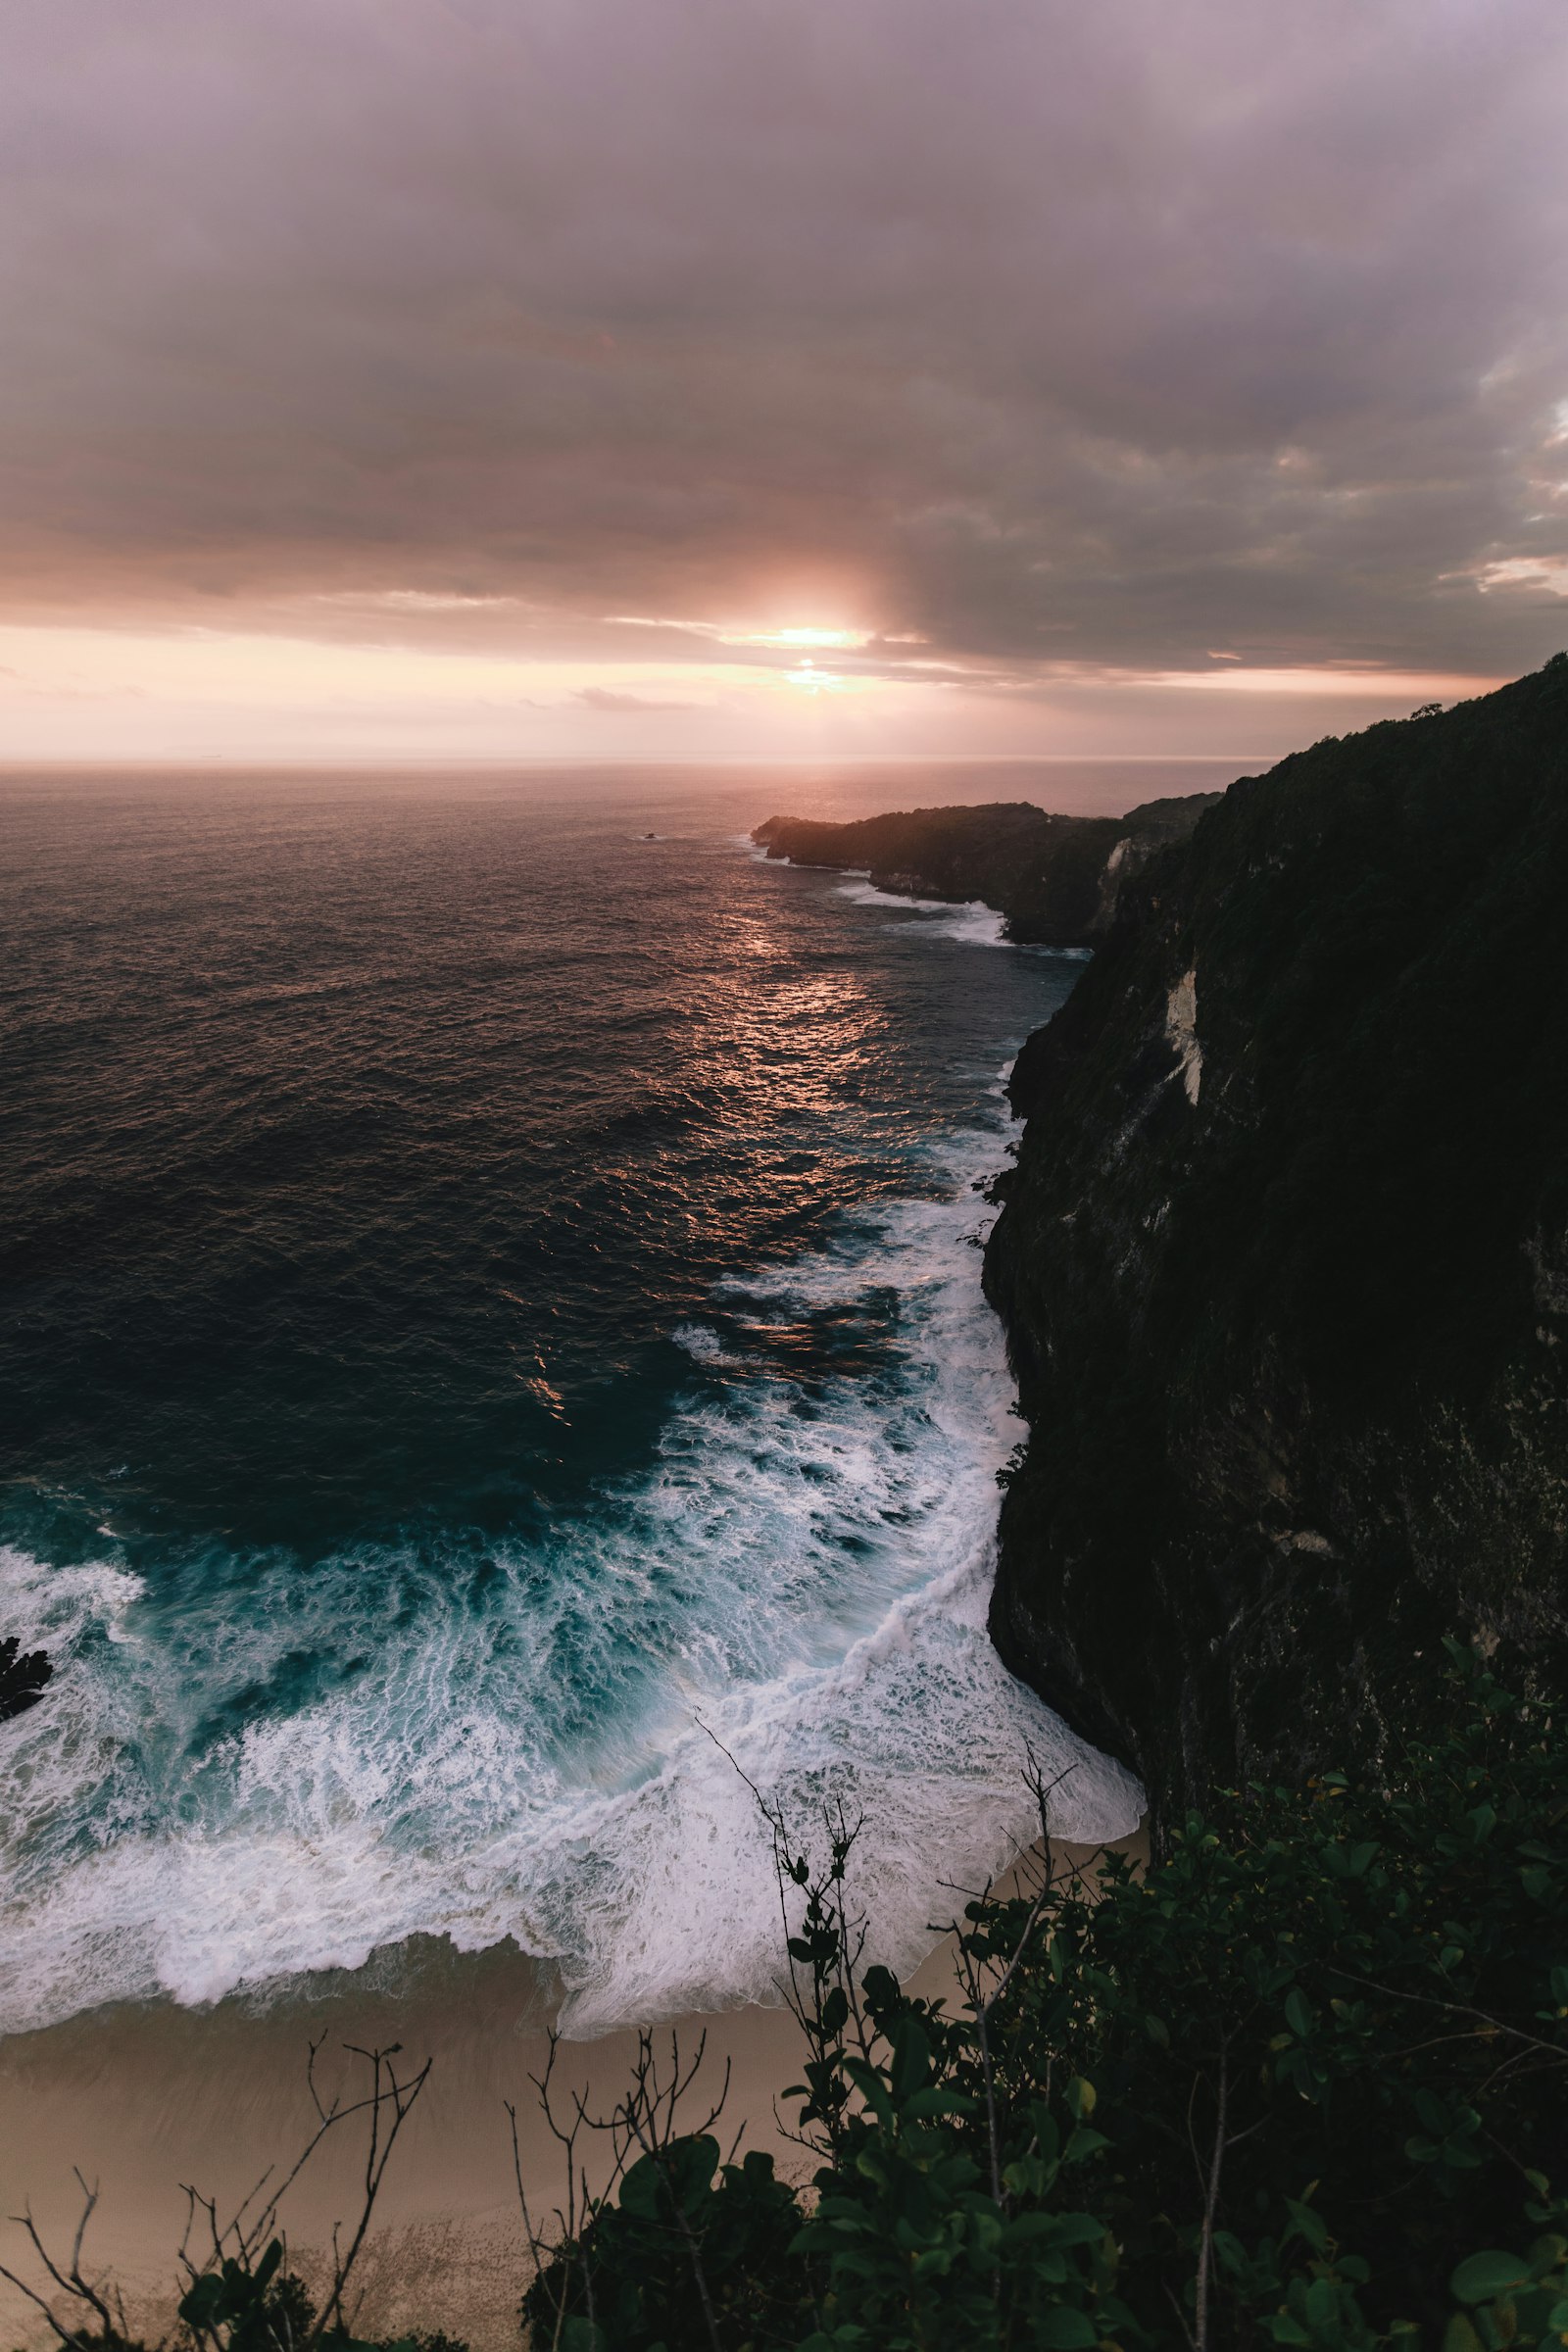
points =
(144, 2098)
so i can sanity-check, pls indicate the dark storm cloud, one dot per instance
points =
(1042, 333)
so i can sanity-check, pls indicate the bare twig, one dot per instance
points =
(1205, 2248)
(389, 2107)
(71, 2280)
(1552, 2050)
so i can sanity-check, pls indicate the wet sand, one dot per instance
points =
(143, 2100)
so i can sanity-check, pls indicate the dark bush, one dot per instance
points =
(1305, 2082)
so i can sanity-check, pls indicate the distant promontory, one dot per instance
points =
(1056, 880)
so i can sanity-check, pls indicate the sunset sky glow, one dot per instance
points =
(510, 379)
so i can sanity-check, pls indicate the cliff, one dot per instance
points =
(1284, 1262)
(1055, 879)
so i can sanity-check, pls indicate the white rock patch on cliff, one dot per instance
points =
(1181, 1029)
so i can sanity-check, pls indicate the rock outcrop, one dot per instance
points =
(25, 1676)
(1284, 1262)
(1055, 879)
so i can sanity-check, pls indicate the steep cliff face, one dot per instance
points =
(1056, 879)
(1284, 1263)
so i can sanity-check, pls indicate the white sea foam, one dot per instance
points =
(968, 919)
(702, 1344)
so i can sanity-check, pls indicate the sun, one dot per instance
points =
(812, 680)
(828, 640)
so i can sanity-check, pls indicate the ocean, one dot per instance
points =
(493, 1363)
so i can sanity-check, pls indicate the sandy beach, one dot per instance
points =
(146, 2099)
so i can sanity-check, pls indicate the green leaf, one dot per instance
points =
(1307, 2224)
(199, 2304)
(911, 2058)
(1081, 2097)
(1080, 2230)
(1483, 2275)
(582, 2336)
(1322, 2305)
(1064, 2331)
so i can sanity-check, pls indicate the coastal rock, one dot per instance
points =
(24, 1677)
(1284, 1262)
(1056, 880)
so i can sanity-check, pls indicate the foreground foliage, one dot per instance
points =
(1303, 2084)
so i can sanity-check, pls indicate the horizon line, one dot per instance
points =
(215, 762)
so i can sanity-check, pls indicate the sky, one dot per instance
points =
(690, 380)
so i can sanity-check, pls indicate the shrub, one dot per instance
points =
(1278, 2090)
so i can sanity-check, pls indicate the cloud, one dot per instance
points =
(1525, 571)
(605, 697)
(984, 343)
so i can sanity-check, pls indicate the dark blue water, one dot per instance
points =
(489, 1291)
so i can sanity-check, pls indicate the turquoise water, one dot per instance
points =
(492, 1301)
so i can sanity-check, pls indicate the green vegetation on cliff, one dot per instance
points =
(1284, 1263)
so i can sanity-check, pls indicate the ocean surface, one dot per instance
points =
(492, 1323)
